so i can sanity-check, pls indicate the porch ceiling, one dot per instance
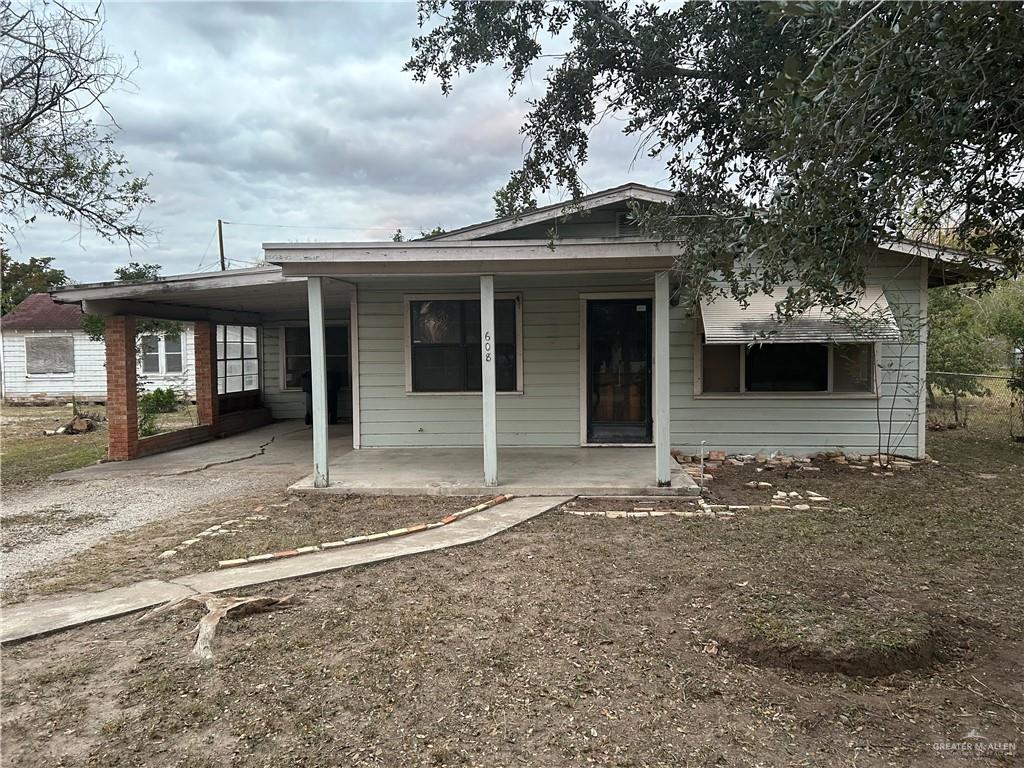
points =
(243, 296)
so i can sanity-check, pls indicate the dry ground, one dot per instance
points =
(290, 521)
(589, 641)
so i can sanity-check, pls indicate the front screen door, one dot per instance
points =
(619, 370)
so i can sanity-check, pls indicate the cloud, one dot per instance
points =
(297, 118)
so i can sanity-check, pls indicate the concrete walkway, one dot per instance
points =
(22, 622)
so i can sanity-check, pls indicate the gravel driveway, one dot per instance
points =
(75, 510)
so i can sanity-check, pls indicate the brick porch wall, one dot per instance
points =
(122, 396)
(207, 407)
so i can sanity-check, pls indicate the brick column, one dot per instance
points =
(122, 396)
(206, 373)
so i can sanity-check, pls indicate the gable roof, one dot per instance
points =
(630, 191)
(41, 313)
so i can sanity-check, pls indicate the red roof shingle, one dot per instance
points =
(41, 313)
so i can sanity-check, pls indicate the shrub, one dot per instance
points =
(159, 401)
(153, 403)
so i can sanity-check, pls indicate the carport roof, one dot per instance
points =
(239, 295)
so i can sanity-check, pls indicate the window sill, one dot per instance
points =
(49, 375)
(787, 396)
(459, 394)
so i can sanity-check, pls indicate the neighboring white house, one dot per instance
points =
(46, 354)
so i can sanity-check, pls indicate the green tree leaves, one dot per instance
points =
(21, 280)
(797, 135)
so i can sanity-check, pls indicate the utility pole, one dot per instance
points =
(220, 241)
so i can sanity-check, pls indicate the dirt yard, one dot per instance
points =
(249, 526)
(886, 630)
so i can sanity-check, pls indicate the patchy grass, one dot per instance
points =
(28, 457)
(862, 635)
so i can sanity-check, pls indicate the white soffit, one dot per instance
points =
(726, 321)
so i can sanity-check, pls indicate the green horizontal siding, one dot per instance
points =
(808, 425)
(547, 413)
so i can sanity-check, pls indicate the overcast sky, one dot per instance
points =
(299, 116)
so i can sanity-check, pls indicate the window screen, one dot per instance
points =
(445, 345)
(721, 368)
(853, 368)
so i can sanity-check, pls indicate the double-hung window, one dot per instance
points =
(444, 345)
(161, 353)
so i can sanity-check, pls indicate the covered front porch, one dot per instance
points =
(427, 315)
(524, 471)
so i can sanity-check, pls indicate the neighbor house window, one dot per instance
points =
(173, 361)
(149, 351)
(153, 349)
(238, 366)
(793, 368)
(297, 361)
(444, 345)
(50, 355)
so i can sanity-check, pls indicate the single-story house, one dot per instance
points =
(47, 355)
(556, 329)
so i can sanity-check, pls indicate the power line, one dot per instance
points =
(311, 226)
(206, 251)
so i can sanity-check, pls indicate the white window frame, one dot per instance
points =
(743, 394)
(407, 326)
(161, 352)
(74, 356)
(258, 358)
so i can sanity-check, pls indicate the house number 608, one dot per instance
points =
(487, 347)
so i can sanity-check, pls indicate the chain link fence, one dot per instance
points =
(984, 404)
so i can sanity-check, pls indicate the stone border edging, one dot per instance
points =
(446, 520)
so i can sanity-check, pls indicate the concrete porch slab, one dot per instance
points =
(522, 471)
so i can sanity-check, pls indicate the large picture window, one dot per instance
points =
(238, 365)
(787, 368)
(444, 345)
(297, 361)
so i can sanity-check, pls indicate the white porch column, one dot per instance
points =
(488, 380)
(318, 364)
(662, 418)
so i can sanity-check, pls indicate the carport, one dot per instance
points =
(229, 311)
